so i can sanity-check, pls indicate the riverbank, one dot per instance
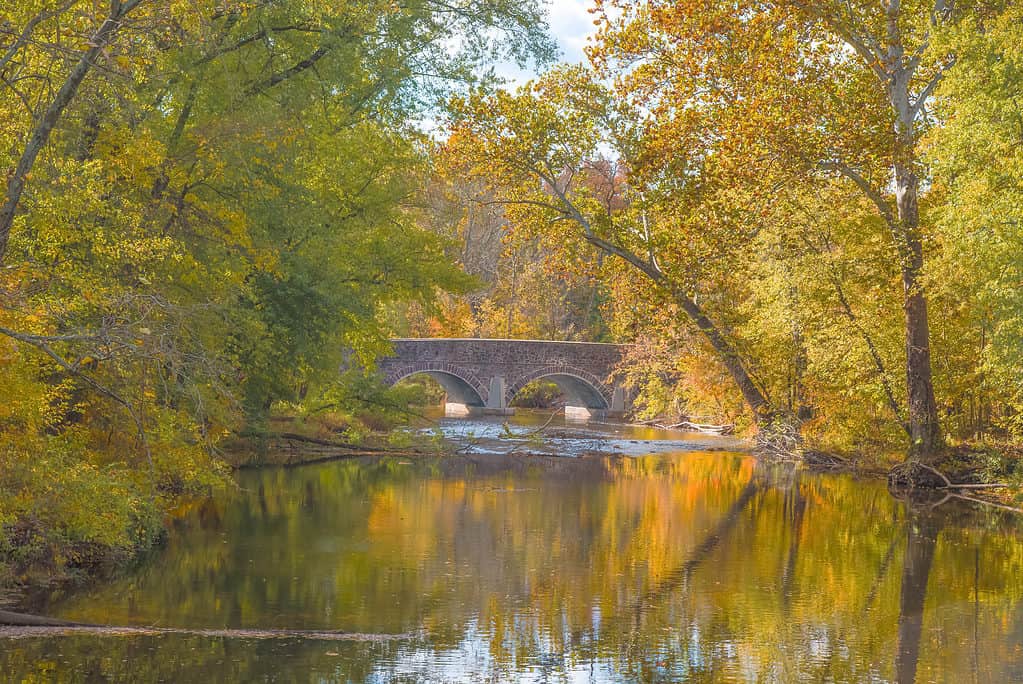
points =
(985, 474)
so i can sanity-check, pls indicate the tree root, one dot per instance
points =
(916, 475)
(779, 442)
(915, 481)
(821, 459)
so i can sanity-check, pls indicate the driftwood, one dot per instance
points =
(690, 426)
(19, 626)
(704, 428)
(655, 422)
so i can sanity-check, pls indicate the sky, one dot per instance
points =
(570, 25)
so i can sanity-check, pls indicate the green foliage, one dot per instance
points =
(217, 206)
(978, 162)
(538, 394)
(61, 500)
(423, 390)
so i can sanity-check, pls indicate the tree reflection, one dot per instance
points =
(702, 567)
(921, 538)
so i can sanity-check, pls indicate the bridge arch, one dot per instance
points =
(461, 386)
(486, 373)
(580, 387)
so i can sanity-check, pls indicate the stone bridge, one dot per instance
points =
(482, 376)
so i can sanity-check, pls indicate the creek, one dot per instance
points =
(664, 557)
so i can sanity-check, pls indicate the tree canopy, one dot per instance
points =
(205, 205)
(783, 193)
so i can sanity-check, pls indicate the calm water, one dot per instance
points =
(691, 566)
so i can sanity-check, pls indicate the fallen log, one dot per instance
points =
(704, 428)
(20, 626)
(8, 618)
(357, 448)
(261, 634)
(654, 422)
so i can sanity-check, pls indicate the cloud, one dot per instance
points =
(571, 24)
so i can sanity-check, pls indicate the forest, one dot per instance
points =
(804, 217)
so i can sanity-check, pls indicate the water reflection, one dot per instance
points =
(921, 538)
(703, 567)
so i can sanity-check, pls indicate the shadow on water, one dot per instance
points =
(694, 566)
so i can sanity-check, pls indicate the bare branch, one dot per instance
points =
(929, 89)
(864, 45)
(293, 70)
(41, 343)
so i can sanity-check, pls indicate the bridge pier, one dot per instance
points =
(497, 398)
(619, 403)
(615, 411)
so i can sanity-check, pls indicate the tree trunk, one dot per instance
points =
(763, 412)
(924, 429)
(727, 354)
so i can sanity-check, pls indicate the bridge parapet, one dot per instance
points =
(485, 374)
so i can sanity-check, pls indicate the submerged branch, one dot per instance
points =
(987, 503)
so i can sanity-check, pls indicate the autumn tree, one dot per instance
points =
(976, 161)
(814, 91)
(523, 289)
(574, 166)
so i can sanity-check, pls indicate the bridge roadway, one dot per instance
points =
(482, 376)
